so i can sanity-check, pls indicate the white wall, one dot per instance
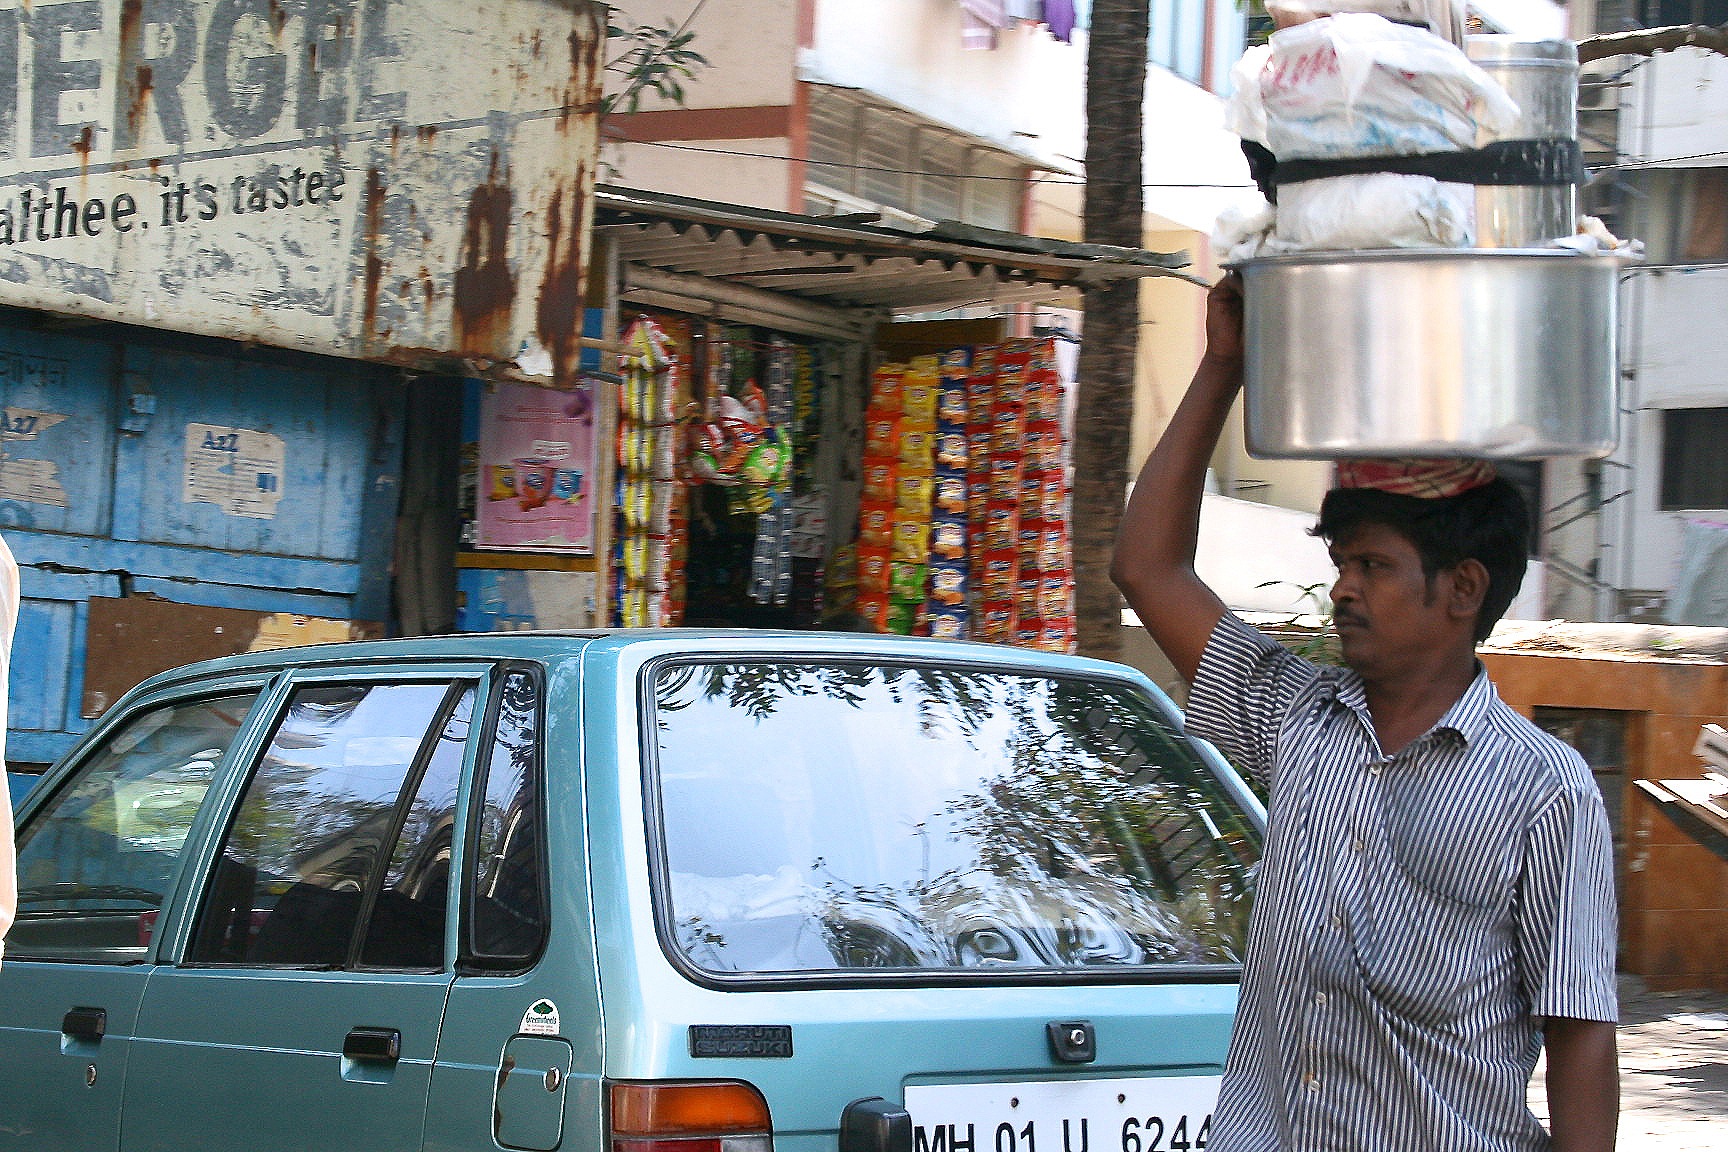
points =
(1677, 106)
(1026, 95)
(751, 45)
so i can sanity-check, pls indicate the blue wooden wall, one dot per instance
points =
(112, 518)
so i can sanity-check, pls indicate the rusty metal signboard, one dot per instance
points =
(401, 180)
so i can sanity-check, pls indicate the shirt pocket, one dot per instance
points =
(1425, 954)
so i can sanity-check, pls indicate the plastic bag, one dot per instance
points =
(1359, 85)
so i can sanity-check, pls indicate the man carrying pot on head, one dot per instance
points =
(1436, 903)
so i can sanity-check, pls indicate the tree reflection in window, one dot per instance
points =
(844, 816)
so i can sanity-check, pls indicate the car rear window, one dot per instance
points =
(842, 817)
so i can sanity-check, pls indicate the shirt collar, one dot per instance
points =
(1465, 720)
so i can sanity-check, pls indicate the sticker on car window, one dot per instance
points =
(541, 1019)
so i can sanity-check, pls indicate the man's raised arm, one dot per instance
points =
(1154, 562)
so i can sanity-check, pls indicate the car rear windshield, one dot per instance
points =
(820, 818)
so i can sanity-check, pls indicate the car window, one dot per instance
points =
(407, 923)
(310, 845)
(508, 917)
(95, 861)
(823, 818)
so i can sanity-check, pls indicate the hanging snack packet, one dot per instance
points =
(873, 606)
(1005, 479)
(978, 451)
(1054, 499)
(912, 491)
(918, 401)
(906, 581)
(912, 541)
(997, 574)
(950, 494)
(875, 524)
(882, 435)
(948, 538)
(874, 569)
(948, 585)
(1030, 542)
(1053, 554)
(948, 623)
(951, 450)
(980, 398)
(903, 617)
(1044, 446)
(951, 400)
(1026, 593)
(1002, 526)
(880, 479)
(1032, 496)
(1027, 633)
(1054, 595)
(996, 620)
(917, 445)
(885, 388)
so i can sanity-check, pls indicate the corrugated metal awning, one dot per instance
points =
(839, 266)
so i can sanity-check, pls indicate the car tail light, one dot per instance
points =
(690, 1116)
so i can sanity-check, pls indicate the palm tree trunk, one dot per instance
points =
(1104, 415)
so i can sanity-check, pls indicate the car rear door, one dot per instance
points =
(1001, 892)
(304, 1010)
(101, 854)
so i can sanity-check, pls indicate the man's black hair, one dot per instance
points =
(1490, 524)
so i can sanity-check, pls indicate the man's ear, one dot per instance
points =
(1469, 589)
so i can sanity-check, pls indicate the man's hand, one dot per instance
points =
(1224, 342)
(1583, 1084)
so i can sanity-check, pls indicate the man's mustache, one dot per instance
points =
(1346, 616)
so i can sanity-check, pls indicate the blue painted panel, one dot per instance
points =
(323, 418)
(19, 783)
(61, 431)
(42, 665)
(38, 747)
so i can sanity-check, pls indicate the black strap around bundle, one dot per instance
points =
(1552, 161)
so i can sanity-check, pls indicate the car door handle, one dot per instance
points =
(384, 1044)
(89, 1023)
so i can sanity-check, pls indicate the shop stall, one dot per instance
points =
(774, 433)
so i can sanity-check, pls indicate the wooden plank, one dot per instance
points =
(129, 639)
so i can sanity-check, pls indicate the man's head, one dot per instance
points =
(1463, 558)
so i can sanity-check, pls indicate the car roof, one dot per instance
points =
(561, 645)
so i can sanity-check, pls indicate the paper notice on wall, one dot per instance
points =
(25, 423)
(237, 469)
(32, 481)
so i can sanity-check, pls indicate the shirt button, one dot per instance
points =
(1337, 920)
(1358, 845)
(1311, 1081)
(1320, 999)
(1374, 768)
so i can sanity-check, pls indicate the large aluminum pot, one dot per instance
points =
(1452, 352)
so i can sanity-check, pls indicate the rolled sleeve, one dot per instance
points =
(1566, 916)
(1241, 693)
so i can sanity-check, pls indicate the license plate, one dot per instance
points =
(1143, 1114)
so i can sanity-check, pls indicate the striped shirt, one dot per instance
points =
(1415, 918)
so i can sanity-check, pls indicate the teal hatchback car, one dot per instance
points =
(630, 892)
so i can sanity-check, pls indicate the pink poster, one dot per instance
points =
(536, 471)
